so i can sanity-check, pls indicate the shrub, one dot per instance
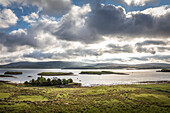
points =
(59, 82)
(26, 83)
(79, 84)
(41, 81)
(70, 80)
(54, 82)
(49, 82)
(64, 82)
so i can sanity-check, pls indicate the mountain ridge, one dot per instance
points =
(82, 65)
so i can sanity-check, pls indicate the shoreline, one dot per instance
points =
(134, 83)
(155, 82)
(95, 85)
(2, 76)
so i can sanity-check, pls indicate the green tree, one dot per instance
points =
(42, 81)
(32, 82)
(49, 83)
(54, 82)
(59, 82)
(64, 82)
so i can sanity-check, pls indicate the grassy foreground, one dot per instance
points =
(120, 98)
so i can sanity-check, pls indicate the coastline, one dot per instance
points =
(95, 85)
(134, 77)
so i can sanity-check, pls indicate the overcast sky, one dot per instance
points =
(116, 31)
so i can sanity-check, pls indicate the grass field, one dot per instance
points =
(153, 98)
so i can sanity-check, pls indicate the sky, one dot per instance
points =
(114, 31)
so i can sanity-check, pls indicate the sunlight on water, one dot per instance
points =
(90, 80)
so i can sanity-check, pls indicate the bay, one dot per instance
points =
(92, 80)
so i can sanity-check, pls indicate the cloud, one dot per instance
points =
(33, 17)
(38, 36)
(82, 51)
(52, 7)
(49, 7)
(86, 25)
(80, 32)
(165, 58)
(112, 20)
(152, 42)
(120, 49)
(14, 40)
(137, 2)
(6, 3)
(156, 11)
(7, 18)
(82, 24)
(163, 49)
(39, 55)
(107, 19)
(19, 32)
(142, 49)
(145, 46)
(66, 54)
(73, 26)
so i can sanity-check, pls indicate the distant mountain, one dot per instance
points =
(103, 66)
(121, 66)
(38, 65)
(82, 65)
(152, 65)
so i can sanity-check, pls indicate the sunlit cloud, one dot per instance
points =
(62, 30)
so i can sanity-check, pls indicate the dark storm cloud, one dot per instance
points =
(68, 31)
(109, 20)
(112, 20)
(11, 42)
(163, 25)
(73, 26)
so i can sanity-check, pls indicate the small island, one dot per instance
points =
(13, 73)
(55, 73)
(164, 70)
(101, 72)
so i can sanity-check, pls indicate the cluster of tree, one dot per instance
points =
(41, 81)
